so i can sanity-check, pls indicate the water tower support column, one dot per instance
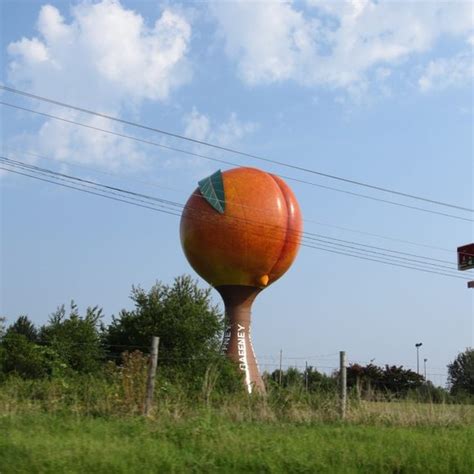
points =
(237, 343)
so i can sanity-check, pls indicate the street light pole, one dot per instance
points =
(424, 362)
(418, 345)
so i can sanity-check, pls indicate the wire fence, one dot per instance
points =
(327, 364)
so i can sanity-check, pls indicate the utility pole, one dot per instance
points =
(343, 383)
(418, 345)
(306, 376)
(150, 382)
(279, 372)
(424, 362)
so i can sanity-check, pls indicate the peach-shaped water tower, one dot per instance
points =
(240, 231)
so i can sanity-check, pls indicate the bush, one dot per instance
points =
(76, 339)
(461, 374)
(181, 314)
(27, 359)
(391, 381)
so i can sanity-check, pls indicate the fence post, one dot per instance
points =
(281, 360)
(343, 383)
(150, 382)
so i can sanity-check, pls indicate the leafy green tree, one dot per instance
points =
(188, 324)
(390, 379)
(461, 373)
(293, 377)
(77, 339)
(319, 382)
(365, 378)
(22, 357)
(24, 326)
(27, 359)
(2, 349)
(399, 380)
(2, 327)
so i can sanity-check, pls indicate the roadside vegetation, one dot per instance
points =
(72, 394)
(209, 444)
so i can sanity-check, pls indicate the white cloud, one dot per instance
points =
(268, 39)
(65, 143)
(199, 127)
(332, 43)
(447, 72)
(106, 58)
(31, 51)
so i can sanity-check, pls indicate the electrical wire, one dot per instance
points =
(307, 235)
(234, 151)
(379, 248)
(263, 358)
(186, 192)
(149, 142)
(117, 191)
(86, 191)
(374, 253)
(176, 214)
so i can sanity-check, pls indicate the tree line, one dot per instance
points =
(190, 328)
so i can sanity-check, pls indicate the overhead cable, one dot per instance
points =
(234, 151)
(305, 234)
(152, 207)
(183, 191)
(149, 142)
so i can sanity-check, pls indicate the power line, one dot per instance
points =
(234, 151)
(372, 198)
(149, 142)
(307, 235)
(372, 252)
(372, 234)
(178, 215)
(325, 358)
(86, 191)
(170, 205)
(384, 261)
(82, 180)
(186, 192)
(382, 248)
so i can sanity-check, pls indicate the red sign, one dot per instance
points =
(466, 257)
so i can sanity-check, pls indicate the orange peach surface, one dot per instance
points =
(254, 241)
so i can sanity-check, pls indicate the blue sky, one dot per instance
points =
(376, 92)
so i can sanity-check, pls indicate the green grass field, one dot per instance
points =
(55, 443)
(88, 425)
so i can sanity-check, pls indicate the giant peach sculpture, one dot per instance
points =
(240, 231)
